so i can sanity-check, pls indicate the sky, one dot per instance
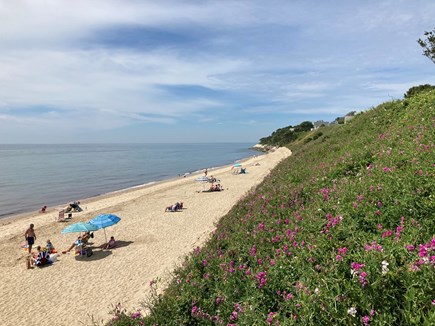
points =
(130, 71)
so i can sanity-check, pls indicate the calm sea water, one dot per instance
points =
(35, 175)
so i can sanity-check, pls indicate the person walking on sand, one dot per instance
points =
(30, 237)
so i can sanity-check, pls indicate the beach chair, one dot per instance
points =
(61, 216)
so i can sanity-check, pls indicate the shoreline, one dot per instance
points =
(151, 243)
(6, 219)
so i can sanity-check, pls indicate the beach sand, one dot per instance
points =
(151, 243)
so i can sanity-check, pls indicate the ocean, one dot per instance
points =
(32, 176)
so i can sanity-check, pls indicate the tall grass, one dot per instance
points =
(342, 232)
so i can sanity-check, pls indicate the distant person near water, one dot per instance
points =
(30, 236)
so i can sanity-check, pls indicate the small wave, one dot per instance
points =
(134, 187)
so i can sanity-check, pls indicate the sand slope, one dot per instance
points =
(151, 243)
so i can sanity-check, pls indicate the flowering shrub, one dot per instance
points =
(341, 233)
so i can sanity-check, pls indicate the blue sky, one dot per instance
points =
(200, 71)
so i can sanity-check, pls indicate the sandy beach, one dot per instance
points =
(151, 243)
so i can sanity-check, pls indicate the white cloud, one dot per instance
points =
(267, 58)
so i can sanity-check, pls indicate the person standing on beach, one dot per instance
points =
(205, 172)
(30, 237)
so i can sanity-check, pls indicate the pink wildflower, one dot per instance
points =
(342, 251)
(410, 247)
(261, 278)
(362, 279)
(366, 320)
(325, 193)
(270, 317)
(253, 251)
(136, 315)
(374, 246)
(239, 308)
(357, 266)
(387, 233)
(422, 251)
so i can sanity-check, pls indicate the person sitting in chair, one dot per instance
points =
(78, 243)
(87, 236)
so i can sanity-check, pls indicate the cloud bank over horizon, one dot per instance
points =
(211, 71)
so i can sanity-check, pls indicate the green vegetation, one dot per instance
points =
(340, 233)
(283, 136)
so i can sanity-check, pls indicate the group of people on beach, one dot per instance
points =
(44, 255)
(216, 187)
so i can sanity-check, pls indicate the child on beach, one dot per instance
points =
(49, 246)
(109, 245)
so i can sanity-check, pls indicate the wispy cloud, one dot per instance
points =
(100, 67)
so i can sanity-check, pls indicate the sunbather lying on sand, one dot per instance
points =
(173, 208)
(212, 188)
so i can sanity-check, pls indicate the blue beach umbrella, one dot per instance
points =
(79, 227)
(104, 220)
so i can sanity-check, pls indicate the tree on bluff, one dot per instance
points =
(286, 135)
(418, 89)
(428, 45)
(304, 126)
